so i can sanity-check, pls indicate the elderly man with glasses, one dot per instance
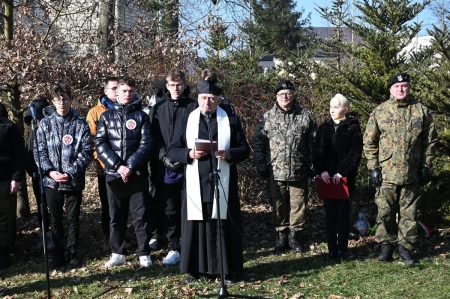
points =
(65, 149)
(282, 153)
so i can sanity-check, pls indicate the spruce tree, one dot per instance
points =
(386, 27)
(277, 28)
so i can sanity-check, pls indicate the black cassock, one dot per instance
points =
(200, 244)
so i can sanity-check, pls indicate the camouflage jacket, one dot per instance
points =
(283, 142)
(400, 137)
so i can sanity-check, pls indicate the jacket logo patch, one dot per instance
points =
(67, 139)
(130, 124)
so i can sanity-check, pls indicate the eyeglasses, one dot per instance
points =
(287, 94)
(61, 101)
(176, 85)
(112, 88)
(209, 99)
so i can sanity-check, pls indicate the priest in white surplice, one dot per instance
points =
(200, 252)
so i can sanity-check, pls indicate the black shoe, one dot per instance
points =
(228, 280)
(282, 242)
(405, 255)
(190, 278)
(331, 255)
(341, 256)
(74, 262)
(387, 249)
(57, 262)
(293, 242)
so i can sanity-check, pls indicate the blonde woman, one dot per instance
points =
(336, 153)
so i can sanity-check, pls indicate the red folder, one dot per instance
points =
(332, 190)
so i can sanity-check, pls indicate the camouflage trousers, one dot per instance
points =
(8, 204)
(401, 199)
(289, 201)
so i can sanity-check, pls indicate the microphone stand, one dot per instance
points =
(42, 208)
(223, 292)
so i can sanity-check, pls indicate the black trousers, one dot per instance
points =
(104, 203)
(172, 208)
(156, 215)
(337, 213)
(55, 202)
(37, 195)
(138, 203)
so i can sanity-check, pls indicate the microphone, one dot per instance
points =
(33, 111)
(208, 116)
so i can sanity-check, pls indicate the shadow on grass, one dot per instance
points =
(96, 284)
(258, 236)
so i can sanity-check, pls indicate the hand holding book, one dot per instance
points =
(204, 145)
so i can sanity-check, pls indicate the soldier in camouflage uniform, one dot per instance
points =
(399, 143)
(282, 152)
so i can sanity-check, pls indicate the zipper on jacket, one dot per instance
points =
(291, 142)
(124, 132)
(61, 152)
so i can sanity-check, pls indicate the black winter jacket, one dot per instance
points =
(65, 145)
(12, 151)
(164, 116)
(337, 147)
(124, 138)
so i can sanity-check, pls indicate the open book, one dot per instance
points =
(204, 145)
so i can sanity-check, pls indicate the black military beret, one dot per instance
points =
(400, 77)
(284, 84)
(208, 87)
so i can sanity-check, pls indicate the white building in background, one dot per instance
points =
(78, 21)
(268, 63)
(417, 44)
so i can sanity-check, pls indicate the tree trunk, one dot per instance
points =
(13, 95)
(118, 21)
(23, 202)
(170, 18)
(8, 18)
(105, 25)
(23, 205)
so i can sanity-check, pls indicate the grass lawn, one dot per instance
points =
(289, 276)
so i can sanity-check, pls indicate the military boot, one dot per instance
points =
(405, 255)
(293, 242)
(282, 242)
(387, 248)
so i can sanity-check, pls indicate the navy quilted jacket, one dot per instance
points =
(65, 146)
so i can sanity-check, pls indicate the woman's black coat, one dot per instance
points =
(338, 147)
